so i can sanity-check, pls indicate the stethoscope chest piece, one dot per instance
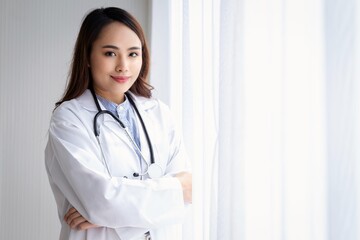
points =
(155, 171)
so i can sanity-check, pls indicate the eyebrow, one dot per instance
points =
(115, 47)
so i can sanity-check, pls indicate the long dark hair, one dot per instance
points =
(80, 77)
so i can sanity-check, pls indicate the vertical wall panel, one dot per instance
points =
(36, 43)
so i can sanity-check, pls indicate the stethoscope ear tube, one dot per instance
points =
(96, 130)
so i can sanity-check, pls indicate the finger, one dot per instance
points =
(86, 225)
(69, 212)
(72, 217)
(76, 221)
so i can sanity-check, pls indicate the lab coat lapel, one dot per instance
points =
(143, 142)
(115, 127)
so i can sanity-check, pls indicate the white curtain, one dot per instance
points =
(267, 92)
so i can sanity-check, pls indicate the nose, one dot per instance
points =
(122, 64)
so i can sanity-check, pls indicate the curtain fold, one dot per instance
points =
(230, 215)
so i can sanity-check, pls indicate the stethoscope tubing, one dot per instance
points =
(152, 160)
(100, 112)
(123, 127)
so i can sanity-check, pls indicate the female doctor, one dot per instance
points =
(116, 163)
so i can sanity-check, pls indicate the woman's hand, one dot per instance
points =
(74, 219)
(185, 179)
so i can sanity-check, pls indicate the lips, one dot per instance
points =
(120, 79)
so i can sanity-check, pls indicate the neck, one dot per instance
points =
(117, 98)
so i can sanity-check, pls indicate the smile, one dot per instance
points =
(120, 79)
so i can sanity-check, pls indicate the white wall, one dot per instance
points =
(36, 42)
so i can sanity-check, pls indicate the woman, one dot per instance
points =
(132, 181)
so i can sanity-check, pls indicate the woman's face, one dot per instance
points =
(115, 61)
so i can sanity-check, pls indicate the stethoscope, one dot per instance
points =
(153, 170)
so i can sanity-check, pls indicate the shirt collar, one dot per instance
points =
(86, 101)
(113, 107)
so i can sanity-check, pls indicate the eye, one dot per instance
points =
(133, 54)
(110, 54)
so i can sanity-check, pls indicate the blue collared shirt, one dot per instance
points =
(126, 114)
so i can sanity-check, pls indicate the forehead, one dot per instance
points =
(117, 33)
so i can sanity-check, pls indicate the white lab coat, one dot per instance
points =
(127, 207)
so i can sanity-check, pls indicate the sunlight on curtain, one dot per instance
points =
(270, 167)
(268, 95)
(271, 53)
